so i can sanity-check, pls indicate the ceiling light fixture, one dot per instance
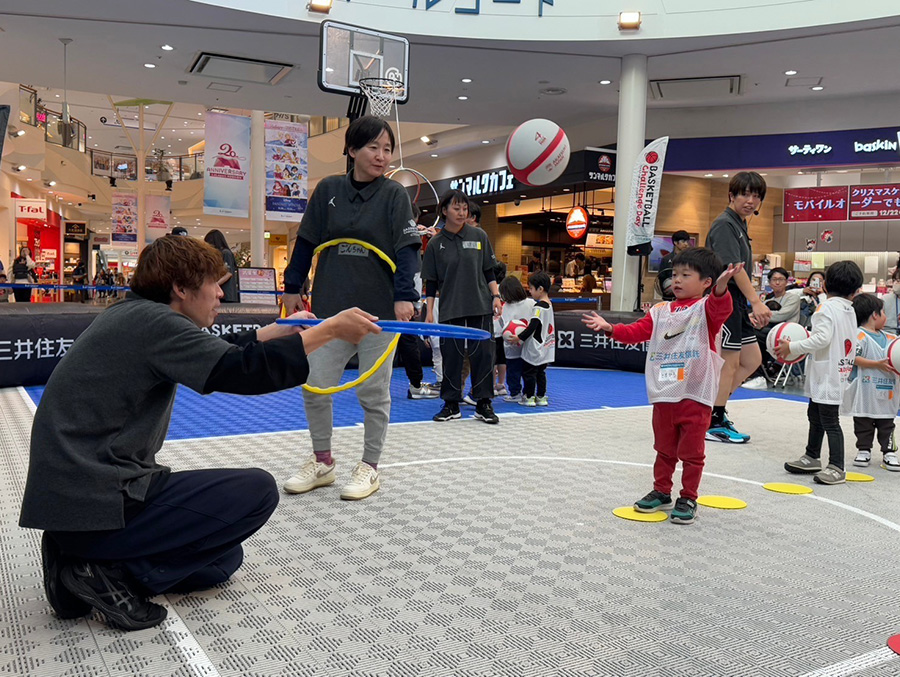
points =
(320, 6)
(425, 139)
(817, 88)
(466, 80)
(167, 48)
(629, 21)
(463, 98)
(790, 72)
(485, 141)
(606, 82)
(149, 65)
(434, 155)
(21, 168)
(15, 132)
(52, 183)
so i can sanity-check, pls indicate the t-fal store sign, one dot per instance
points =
(31, 209)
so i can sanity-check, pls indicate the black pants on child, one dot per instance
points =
(408, 347)
(535, 378)
(824, 420)
(865, 429)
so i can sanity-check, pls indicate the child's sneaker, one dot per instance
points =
(805, 465)
(542, 401)
(863, 457)
(468, 399)
(655, 500)
(726, 432)
(500, 390)
(684, 512)
(891, 462)
(528, 401)
(513, 398)
(831, 475)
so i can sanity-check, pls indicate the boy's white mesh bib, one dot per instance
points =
(680, 363)
(872, 393)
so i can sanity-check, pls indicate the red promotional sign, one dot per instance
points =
(577, 222)
(873, 203)
(816, 204)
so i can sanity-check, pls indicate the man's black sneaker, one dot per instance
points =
(107, 588)
(655, 500)
(63, 602)
(484, 411)
(684, 512)
(447, 413)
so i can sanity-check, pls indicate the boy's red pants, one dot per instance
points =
(679, 431)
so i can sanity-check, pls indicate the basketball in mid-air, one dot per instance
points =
(537, 152)
(513, 329)
(785, 331)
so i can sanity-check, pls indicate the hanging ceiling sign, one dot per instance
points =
(577, 222)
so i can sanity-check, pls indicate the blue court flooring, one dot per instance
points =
(219, 414)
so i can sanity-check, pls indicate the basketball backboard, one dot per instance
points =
(350, 53)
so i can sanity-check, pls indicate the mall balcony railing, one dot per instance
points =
(124, 166)
(32, 112)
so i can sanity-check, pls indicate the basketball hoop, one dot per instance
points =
(382, 94)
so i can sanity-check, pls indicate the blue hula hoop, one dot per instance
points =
(413, 328)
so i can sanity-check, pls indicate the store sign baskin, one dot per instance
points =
(809, 149)
(577, 222)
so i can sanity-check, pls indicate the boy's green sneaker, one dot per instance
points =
(528, 401)
(655, 500)
(542, 401)
(684, 512)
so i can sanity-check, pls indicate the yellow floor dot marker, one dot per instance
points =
(859, 477)
(786, 488)
(722, 502)
(629, 513)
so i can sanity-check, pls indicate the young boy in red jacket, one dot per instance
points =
(682, 372)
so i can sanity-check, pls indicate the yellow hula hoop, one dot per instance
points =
(349, 240)
(391, 346)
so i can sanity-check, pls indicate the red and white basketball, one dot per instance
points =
(790, 331)
(893, 354)
(513, 329)
(537, 152)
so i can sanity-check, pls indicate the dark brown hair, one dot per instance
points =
(175, 260)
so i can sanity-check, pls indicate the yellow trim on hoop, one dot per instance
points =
(349, 240)
(391, 346)
(362, 377)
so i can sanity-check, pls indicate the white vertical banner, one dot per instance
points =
(158, 208)
(124, 218)
(226, 187)
(287, 169)
(644, 202)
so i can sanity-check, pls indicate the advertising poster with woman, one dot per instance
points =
(286, 170)
(124, 218)
(226, 190)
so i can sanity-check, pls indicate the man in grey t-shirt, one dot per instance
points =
(118, 526)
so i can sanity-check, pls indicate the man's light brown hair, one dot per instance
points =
(175, 260)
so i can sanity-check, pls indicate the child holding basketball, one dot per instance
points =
(832, 347)
(682, 372)
(516, 306)
(871, 397)
(538, 343)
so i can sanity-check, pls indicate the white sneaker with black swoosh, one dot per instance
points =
(363, 482)
(311, 475)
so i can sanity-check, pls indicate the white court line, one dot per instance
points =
(853, 666)
(863, 513)
(32, 407)
(194, 658)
